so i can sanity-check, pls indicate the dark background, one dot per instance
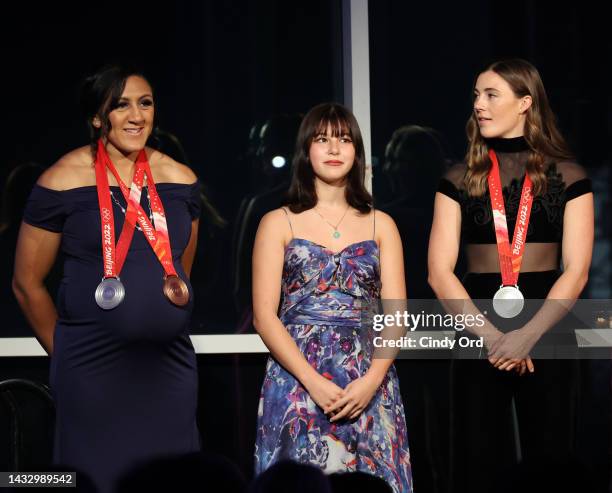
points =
(219, 67)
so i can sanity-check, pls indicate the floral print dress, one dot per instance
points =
(324, 295)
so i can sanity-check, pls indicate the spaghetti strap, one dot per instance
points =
(289, 221)
(374, 232)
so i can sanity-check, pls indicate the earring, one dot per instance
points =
(96, 122)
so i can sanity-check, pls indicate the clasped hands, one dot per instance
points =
(339, 403)
(511, 350)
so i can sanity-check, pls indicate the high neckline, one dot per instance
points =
(514, 144)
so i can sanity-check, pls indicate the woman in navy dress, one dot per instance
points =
(125, 379)
(326, 400)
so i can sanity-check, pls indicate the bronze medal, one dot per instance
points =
(176, 290)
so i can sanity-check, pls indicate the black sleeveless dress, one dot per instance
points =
(124, 380)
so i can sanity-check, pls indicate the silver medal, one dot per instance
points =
(109, 293)
(508, 301)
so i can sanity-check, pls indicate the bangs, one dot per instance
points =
(337, 124)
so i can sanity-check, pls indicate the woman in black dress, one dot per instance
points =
(512, 134)
(123, 369)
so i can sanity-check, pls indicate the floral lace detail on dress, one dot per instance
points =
(545, 225)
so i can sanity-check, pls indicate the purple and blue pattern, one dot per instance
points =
(324, 296)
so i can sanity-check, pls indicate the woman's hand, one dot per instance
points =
(521, 366)
(509, 350)
(324, 392)
(357, 396)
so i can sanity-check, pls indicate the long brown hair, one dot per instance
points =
(541, 132)
(302, 194)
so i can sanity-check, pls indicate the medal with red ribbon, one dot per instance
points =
(174, 288)
(111, 292)
(508, 301)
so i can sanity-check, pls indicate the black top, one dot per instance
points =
(514, 144)
(566, 180)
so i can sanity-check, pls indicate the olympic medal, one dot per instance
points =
(176, 290)
(109, 293)
(508, 301)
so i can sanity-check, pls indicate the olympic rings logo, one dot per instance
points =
(106, 214)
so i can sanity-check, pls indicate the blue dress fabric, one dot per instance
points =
(124, 380)
(323, 296)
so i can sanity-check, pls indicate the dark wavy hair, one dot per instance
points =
(100, 94)
(302, 194)
(541, 132)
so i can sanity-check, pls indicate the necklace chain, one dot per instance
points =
(336, 233)
(123, 209)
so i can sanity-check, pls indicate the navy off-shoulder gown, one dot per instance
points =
(124, 380)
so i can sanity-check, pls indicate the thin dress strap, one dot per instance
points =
(374, 232)
(289, 221)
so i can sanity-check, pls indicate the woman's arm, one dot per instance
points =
(268, 261)
(190, 249)
(444, 241)
(35, 255)
(393, 287)
(577, 250)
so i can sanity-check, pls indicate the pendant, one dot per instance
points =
(508, 301)
(109, 293)
(336, 234)
(176, 290)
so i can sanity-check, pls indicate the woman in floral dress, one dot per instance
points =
(325, 399)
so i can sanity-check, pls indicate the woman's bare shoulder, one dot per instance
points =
(383, 219)
(168, 170)
(274, 218)
(72, 170)
(386, 229)
(276, 224)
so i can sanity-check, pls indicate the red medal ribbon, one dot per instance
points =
(113, 256)
(162, 247)
(510, 256)
(157, 236)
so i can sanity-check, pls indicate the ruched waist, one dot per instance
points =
(348, 318)
(327, 315)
